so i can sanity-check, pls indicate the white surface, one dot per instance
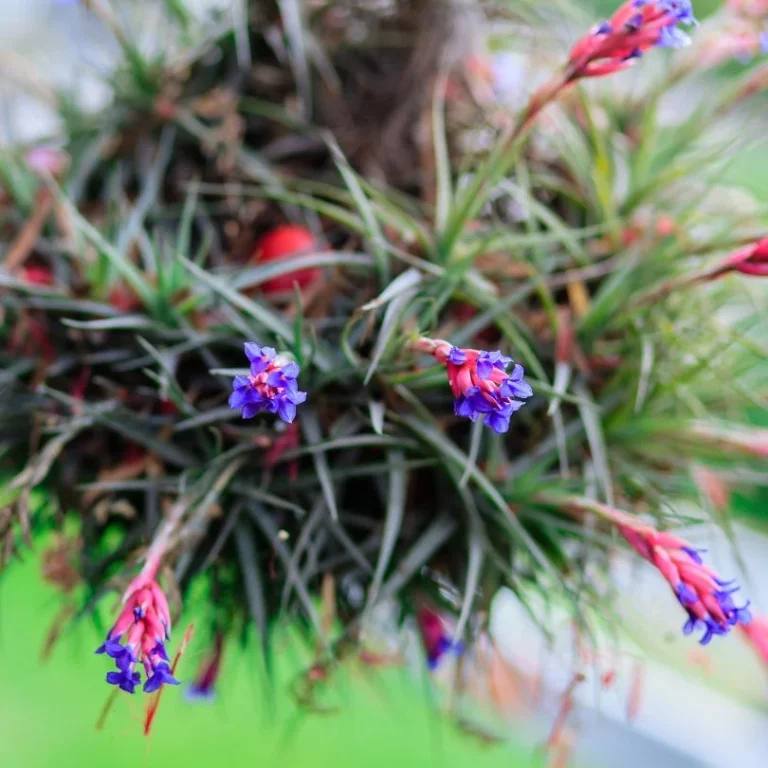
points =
(676, 708)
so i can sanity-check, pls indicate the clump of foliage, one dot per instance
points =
(582, 234)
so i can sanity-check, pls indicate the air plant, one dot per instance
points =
(627, 374)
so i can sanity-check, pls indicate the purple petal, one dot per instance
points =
(252, 351)
(159, 650)
(484, 368)
(161, 676)
(251, 409)
(241, 397)
(498, 421)
(287, 411)
(686, 595)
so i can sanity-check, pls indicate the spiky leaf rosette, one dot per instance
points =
(589, 240)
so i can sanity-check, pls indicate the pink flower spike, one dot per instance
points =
(138, 635)
(703, 594)
(481, 385)
(635, 27)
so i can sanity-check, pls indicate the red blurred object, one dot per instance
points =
(283, 242)
(666, 226)
(37, 275)
(123, 297)
(463, 313)
(283, 442)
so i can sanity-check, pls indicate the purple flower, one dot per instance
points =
(271, 385)
(196, 692)
(682, 10)
(125, 680)
(457, 356)
(159, 650)
(112, 647)
(204, 685)
(161, 675)
(481, 385)
(673, 37)
(693, 553)
(122, 654)
(686, 595)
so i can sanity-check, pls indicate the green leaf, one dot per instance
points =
(442, 159)
(436, 534)
(293, 24)
(389, 327)
(253, 276)
(266, 317)
(254, 585)
(120, 261)
(310, 426)
(373, 232)
(396, 496)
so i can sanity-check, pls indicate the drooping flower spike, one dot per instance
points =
(480, 383)
(271, 385)
(435, 636)
(636, 27)
(203, 687)
(706, 598)
(138, 637)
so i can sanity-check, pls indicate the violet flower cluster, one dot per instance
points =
(270, 386)
(480, 382)
(138, 638)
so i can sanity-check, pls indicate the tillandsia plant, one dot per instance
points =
(280, 331)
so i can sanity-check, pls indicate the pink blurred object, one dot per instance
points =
(713, 487)
(47, 160)
(749, 441)
(749, 7)
(757, 634)
(751, 260)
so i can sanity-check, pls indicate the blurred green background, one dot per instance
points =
(48, 711)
